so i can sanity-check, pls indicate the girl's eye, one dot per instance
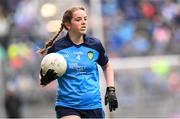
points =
(78, 20)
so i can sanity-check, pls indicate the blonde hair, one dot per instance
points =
(67, 17)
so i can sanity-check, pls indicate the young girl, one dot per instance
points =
(78, 93)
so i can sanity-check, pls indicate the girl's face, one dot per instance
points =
(78, 23)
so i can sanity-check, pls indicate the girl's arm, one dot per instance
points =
(109, 74)
(110, 96)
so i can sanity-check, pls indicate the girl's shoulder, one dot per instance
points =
(94, 43)
(92, 40)
(63, 41)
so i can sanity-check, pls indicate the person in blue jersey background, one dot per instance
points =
(78, 92)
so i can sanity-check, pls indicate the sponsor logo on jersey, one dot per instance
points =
(90, 55)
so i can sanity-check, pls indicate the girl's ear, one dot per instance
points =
(67, 26)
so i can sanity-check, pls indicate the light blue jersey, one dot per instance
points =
(79, 87)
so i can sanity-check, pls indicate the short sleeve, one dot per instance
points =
(103, 58)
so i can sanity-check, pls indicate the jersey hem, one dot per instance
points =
(81, 108)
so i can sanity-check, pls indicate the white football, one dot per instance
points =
(54, 61)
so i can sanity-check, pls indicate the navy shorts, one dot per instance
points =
(92, 113)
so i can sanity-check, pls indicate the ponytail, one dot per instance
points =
(50, 42)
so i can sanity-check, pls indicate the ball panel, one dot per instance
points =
(54, 61)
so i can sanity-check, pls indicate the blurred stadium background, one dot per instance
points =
(142, 38)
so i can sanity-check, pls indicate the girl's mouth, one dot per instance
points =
(83, 28)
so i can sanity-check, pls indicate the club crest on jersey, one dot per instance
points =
(90, 55)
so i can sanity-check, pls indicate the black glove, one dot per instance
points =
(110, 98)
(48, 77)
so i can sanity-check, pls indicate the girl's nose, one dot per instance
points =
(84, 21)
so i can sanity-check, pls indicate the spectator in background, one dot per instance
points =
(5, 26)
(169, 10)
(161, 38)
(147, 9)
(13, 103)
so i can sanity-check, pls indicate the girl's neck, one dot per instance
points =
(76, 39)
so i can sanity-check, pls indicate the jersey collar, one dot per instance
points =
(84, 37)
